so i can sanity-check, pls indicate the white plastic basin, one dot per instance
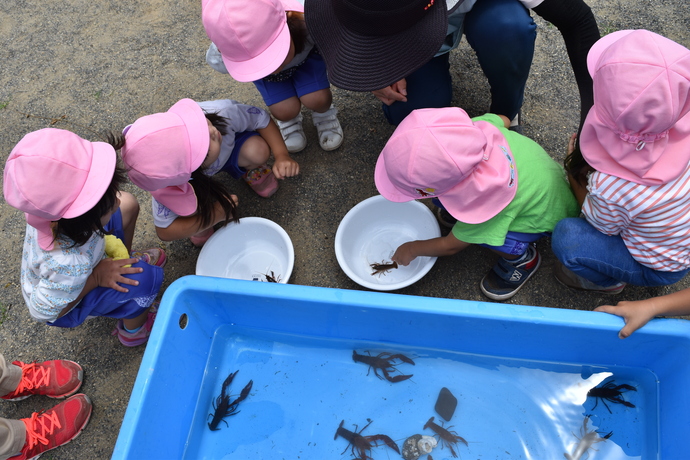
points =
(371, 232)
(251, 250)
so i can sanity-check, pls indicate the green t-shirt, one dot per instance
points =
(543, 196)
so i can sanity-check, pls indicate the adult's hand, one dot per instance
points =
(395, 92)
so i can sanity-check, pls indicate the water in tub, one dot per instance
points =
(509, 409)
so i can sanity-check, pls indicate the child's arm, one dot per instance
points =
(637, 313)
(435, 247)
(579, 190)
(284, 166)
(186, 226)
(107, 273)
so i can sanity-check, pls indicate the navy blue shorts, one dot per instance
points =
(114, 304)
(309, 77)
(231, 167)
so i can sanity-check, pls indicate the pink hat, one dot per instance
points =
(252, 35)
(443, 153)
(638, 128)
(53, 174)
(162, 150)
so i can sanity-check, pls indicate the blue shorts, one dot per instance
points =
(309, 77)
(114, 304)
(231, 167)
(516, 243)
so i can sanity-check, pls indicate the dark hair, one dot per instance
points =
(576, 165)
(220, 123)
(298, 30)
(209, 191)
(79, 229)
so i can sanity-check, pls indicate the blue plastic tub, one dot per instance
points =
(520, 375)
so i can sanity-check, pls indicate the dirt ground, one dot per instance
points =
(93, 66)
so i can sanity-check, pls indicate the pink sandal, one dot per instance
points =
(262, 180)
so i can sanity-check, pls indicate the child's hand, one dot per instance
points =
(285, 167)
(635, 313)
(109, 272)
(571, 143)
(403, 255)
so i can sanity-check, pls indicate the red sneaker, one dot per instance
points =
(55, 427)
(55, 379)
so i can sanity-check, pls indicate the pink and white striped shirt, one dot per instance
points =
(654, 221)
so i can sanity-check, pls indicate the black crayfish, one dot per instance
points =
(383, 362)
(222, 405)
(363, 444)
(612, 393)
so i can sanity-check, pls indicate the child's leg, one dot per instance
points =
(604, 260)
(253, 153)
(318, 101)
(129, 207)
(287, 109)
(248, 161)
(114, 304)
(284, 105)
(314, 90)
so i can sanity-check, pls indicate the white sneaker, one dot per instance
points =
(328, 128)
(293, 134)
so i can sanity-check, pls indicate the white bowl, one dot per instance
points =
(372, 231)
(252, 249)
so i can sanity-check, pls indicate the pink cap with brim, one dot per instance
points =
(252, 35)
(53, 174)
(443, 153)
(639, 126)
(162, 150)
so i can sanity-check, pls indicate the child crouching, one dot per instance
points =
(69, 190)
(503, 188)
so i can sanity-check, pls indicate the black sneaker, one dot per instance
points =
(504, 280)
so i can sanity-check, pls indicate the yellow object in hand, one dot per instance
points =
(115, 248)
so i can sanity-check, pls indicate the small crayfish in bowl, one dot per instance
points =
(383, 267)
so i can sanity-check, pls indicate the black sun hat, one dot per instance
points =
(371, 44)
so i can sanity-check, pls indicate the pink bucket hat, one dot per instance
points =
(252, 35)
(639, 126)
(162, 150)
(53, 174)
(443, 153)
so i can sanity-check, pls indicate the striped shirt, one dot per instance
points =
(654, 221)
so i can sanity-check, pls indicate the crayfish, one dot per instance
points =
(446, 437)
(588, 438)
(383, 362)
(612, 393)
(363, 444)
(272, 278)
(222, 405)
(383, 268)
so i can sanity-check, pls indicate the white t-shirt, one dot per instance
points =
(53, 279)
(240, 117)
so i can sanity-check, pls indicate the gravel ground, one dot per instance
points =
(94, 66)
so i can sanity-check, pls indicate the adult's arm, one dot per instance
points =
(575, 20)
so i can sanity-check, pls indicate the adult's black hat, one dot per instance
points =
(371, 44)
